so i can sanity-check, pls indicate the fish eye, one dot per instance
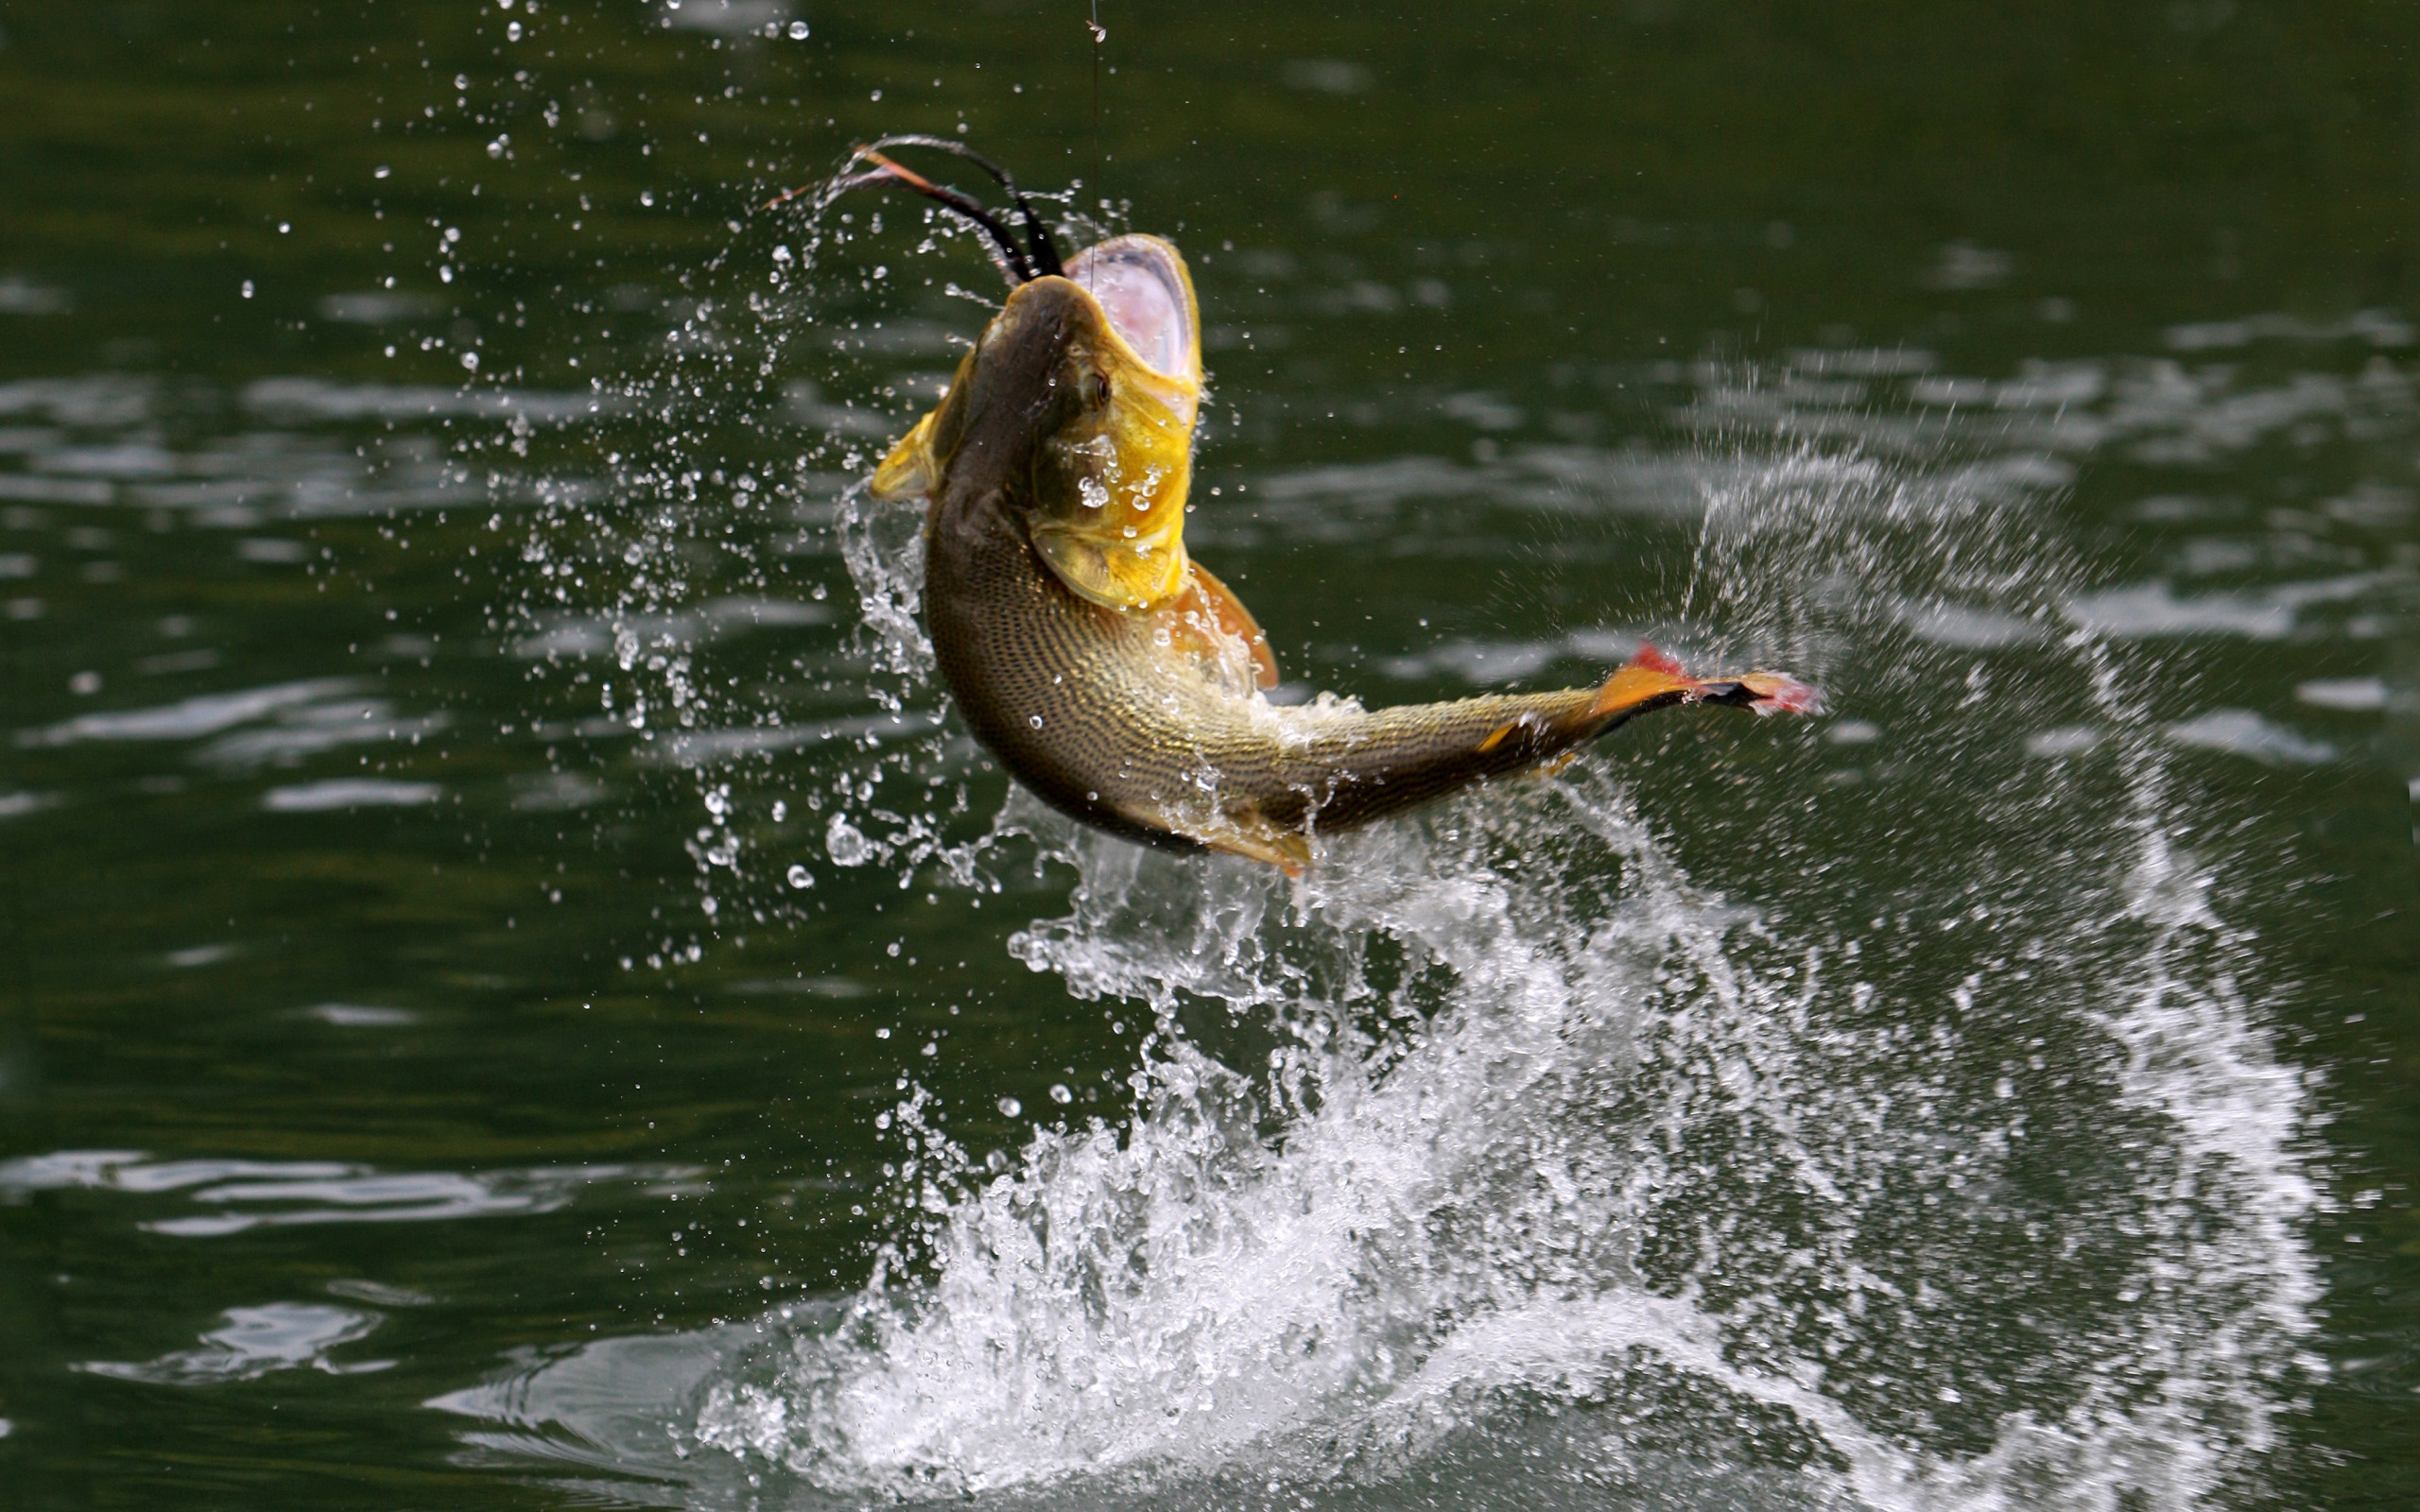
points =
(1096, 389)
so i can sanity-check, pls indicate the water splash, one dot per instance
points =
(1899, 1192)
(1776, 1174)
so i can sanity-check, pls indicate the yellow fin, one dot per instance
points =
(913, 467)
(1535, 720)
(911, 470)
(1112, 571)
(1282, 848)
(1647, 677)
(1248, 834)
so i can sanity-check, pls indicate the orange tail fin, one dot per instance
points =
(1653, 677)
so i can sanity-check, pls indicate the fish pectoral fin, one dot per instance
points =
(1109, 571)
(1212, 605)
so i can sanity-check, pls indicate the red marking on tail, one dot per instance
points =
(1653, 660)
(1652, 674)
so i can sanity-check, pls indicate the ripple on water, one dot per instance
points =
(247, 1194)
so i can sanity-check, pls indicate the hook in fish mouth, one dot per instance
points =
(1037, 258)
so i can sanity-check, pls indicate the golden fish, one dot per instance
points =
(1111, 674)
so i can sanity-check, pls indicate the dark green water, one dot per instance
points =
(518, 993)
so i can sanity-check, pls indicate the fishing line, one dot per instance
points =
(1100, 36)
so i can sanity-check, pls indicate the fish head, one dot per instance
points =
(1079, 404)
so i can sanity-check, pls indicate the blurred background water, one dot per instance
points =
(518, 992)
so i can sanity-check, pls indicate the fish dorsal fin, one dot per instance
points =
(1207, 612)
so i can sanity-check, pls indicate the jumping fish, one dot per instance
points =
(1112, 675)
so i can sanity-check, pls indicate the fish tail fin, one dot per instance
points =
(1652, 680)
(1766, 693)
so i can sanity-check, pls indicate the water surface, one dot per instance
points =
(522, 994)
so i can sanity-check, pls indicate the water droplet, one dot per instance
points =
(799, 876)
(1035, 721)
(847, 843)
(1010, 1108)
(247, 288)
(1058, 1092)
(798, 31)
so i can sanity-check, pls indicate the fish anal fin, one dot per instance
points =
(1283, 848)
(1246, 833)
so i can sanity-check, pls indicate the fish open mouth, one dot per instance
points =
(1141, 290)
